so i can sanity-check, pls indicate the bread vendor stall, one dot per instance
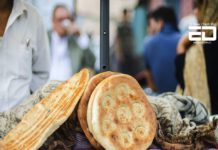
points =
(106, 111)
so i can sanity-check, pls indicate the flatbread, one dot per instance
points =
(46, 116)
(122, 117)
(2, 147)
(82, 109)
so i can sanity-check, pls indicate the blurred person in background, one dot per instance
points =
(144, 77)
(123, 56)
(69, 48)
(160, 51)
(24, 52)
(152, 28)
(139, 24)
(197, 71)
(186, 21)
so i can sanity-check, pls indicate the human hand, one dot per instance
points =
(183, 44)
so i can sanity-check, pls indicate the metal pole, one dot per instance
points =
(104, 35)
(75, 7)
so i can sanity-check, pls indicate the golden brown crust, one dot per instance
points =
(122, 117)
(46, 116)
(82, 108)
(2, 147)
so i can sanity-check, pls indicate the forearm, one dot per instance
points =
(146, 74)
(150, 81)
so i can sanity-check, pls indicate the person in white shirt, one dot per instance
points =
(24, 52)
(69, 48)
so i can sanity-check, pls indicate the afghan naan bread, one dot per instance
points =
(46, 116)
(82, 109)
(2, 147)
(122, 117)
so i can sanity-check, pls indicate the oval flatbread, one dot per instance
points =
(47, 115)
(122, 117)
(82, 108)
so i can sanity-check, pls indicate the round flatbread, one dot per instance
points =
(82, 108)
(122, 117)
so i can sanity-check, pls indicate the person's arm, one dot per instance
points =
(40, 59)
(182, 47)
(150, 81)
(146, 74)
(183, 44)
(180, 63)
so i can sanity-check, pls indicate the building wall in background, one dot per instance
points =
(89, 14)
(186, 8)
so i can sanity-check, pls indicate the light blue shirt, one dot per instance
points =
(24, 55)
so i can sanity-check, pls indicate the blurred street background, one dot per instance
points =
(88, 16)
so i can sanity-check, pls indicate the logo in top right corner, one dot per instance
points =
(197, 33)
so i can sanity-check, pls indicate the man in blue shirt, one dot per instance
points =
(160, 51)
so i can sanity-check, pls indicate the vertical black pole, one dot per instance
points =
(104, 35)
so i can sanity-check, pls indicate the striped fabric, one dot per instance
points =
(81, 143)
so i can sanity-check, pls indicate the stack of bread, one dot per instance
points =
(113, 112)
